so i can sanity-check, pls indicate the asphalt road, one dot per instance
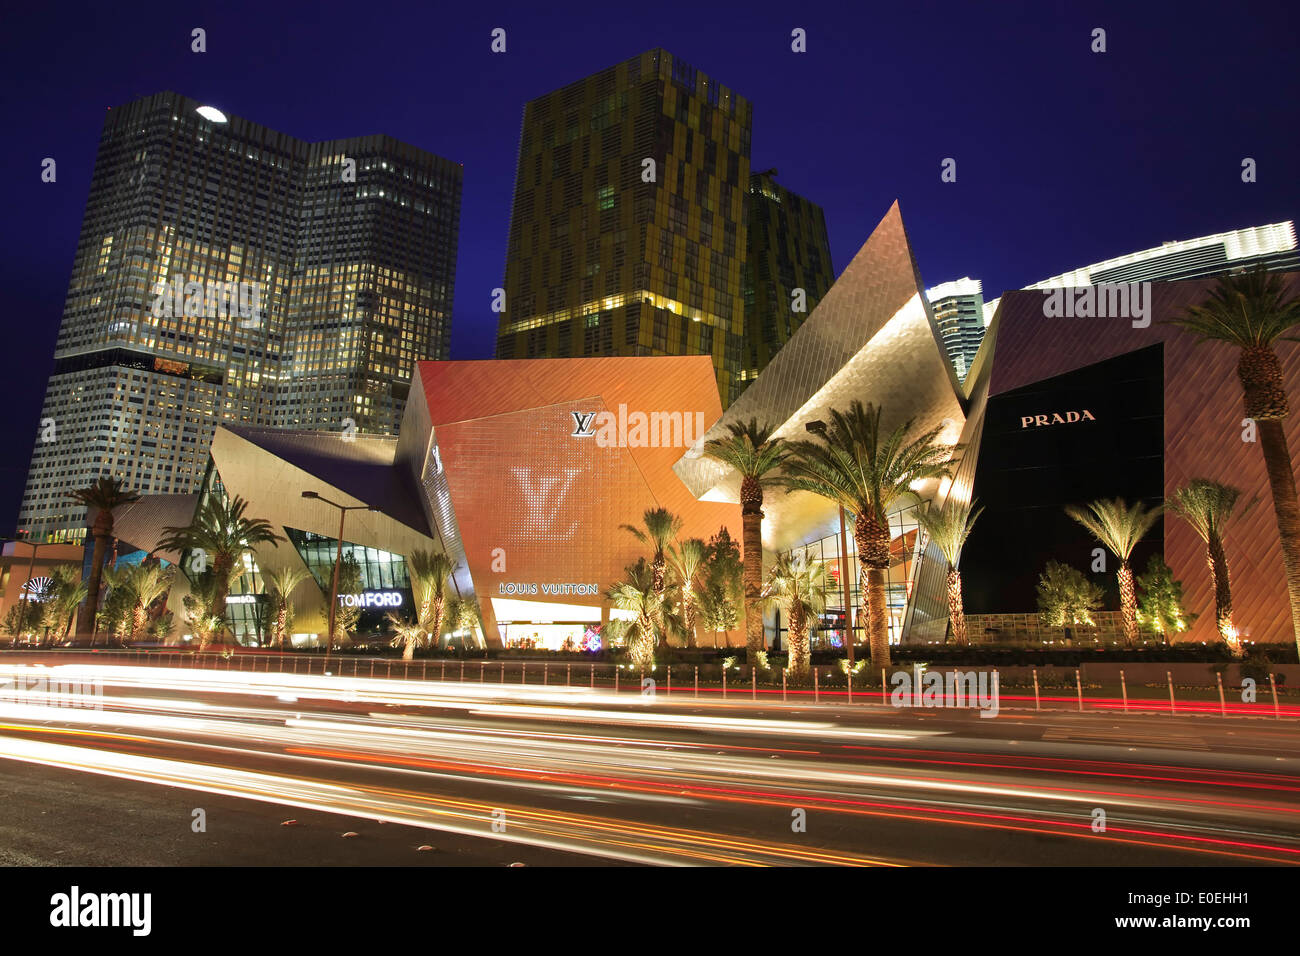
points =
(497, 774)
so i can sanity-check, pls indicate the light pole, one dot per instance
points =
(819, 428)
(338, 560)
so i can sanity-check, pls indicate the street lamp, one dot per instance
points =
(819, 428)
(338, 560)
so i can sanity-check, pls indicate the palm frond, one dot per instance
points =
(1117, 525)
(1246, 309)
(949, 526)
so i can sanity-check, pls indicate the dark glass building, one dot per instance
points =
(628, 229)
(787, 270)
(228, 273)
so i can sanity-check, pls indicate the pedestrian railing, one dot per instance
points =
(741, 684)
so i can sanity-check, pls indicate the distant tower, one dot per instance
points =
(628, 228)
(353, 277)
(788, 253)
(959, 312)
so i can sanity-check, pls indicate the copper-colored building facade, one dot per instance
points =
(1203, 434)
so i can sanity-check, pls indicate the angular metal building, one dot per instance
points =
(524, 472)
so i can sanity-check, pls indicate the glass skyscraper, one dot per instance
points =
(226, 272)
(787, 269)
(959, 313)
(629, 223)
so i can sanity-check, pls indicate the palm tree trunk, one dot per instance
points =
(688, 613)
(798, 641)
(438, 610)
(1281, 480)
(751, 533)
(1218, 562)
(221, 568)
(872, 539)
(91, 607)
(408, 649)
(956, 612)
(1128, 603)
(877, 619)
(643, 645)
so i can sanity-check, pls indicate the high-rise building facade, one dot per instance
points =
(226, 272)
(959, 313)
(787, 269)
(1272, 246)
(628, 228)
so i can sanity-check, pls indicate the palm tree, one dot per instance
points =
(751, 450)
(636, 593)
(1207, 505)
(869, 474)
(948, 527)
(280, 585)
(104, 497)
(661, 527)
(687, 561)
(222, 532)
(799, 589)
(1250, 311)
(145, 583)
(1119, 528)
(406, 634)
(63, 597)
(431, 574)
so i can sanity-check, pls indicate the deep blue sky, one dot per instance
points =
(1064, 157)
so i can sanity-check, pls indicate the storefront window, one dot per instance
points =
(829, 634)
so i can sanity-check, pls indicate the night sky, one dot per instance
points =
(1064, 157)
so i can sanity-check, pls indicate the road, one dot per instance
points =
(495, 774)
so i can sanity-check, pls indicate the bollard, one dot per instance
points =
(1078, 684)
(669, 668)
(372, 667)
(724, 683)
(503, 673)
(482, 672)
(1123, 686)
(546, 673)
(568, 674)
(389, 672)
(1037, 704)
(753, 681)
(1223, 706)
(462, 672)
(295, 665)
(783, 671)
(884, 688)
(1277, 714)
(616, 678)
(816, 688)
(523, 672)
(697, 680)
(1170, 676)
(443, 675)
